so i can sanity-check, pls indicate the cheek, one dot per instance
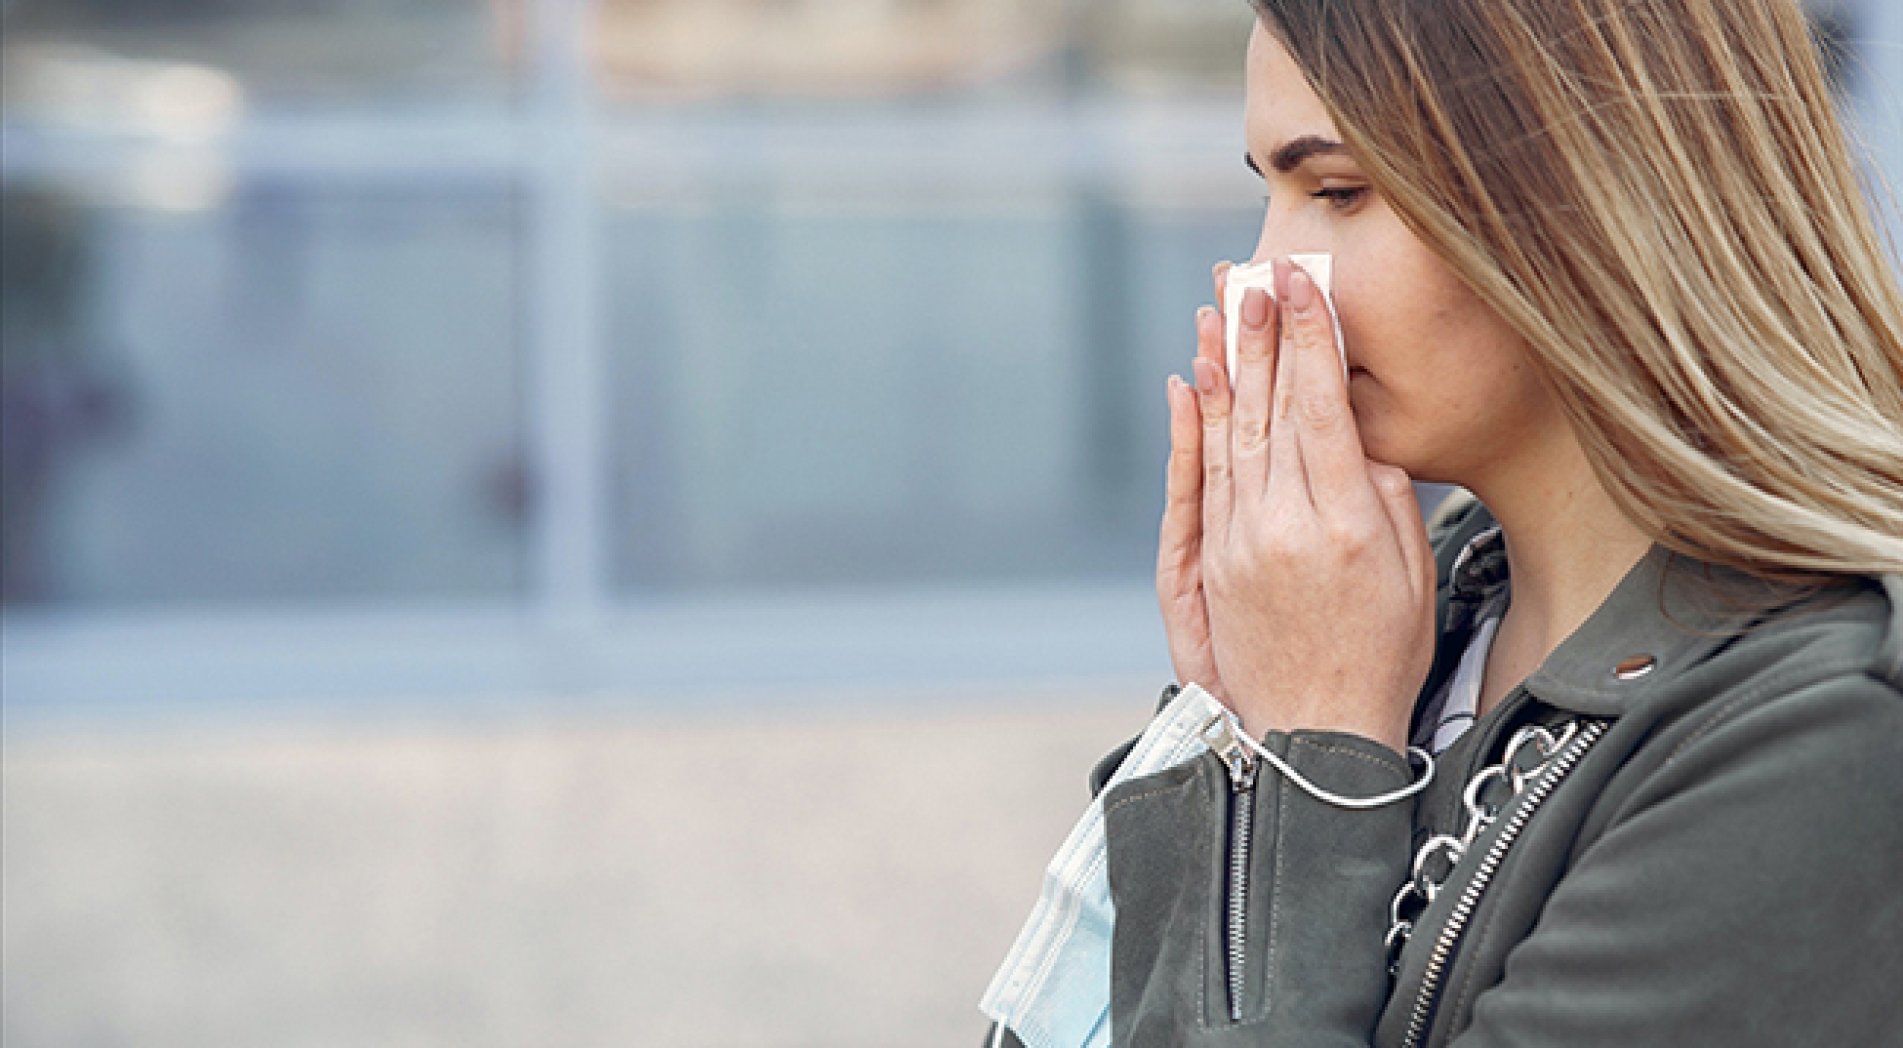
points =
(1386, 324)
(1434, 356)
(1405, 319)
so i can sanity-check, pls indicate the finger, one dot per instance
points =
(1396, 491)
(1212, 400)
(1179, 547)
(1255, 362)
(1324, 421)
(1181, 531)
(1215, 352)
(1287, 480)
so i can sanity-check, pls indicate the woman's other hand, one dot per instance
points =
(1316, 579)
(1179, 563)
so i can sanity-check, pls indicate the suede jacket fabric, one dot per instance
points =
(1723, 866)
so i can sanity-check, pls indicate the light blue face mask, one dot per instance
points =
(1053, 990)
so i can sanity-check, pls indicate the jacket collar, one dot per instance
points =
(1668, 614)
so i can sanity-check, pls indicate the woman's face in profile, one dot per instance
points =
(1440, 385)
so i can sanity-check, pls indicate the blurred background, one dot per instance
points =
(565, 522)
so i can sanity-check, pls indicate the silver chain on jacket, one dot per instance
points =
(1486, 796)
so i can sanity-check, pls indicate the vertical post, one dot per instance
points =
(1074, 73)
(1107, 353)
(565, 367)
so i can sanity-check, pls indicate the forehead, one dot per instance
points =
(1279, 105)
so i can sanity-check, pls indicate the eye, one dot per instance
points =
(1341, 198)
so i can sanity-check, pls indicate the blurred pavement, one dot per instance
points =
(766, 879)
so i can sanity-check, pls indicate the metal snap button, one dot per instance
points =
(1632, 667)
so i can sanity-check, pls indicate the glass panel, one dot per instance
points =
(931, 363)
(188, 65)
(839, 392)
(293, 392)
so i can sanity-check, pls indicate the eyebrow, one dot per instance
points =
(1292, 153)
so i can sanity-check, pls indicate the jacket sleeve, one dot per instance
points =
(1743, 892)
(1263, 928)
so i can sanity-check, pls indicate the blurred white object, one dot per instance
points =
(1319, 267)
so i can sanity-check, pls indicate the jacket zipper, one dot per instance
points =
(1440, 959)
(1242, 768)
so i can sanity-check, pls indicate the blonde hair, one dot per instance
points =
(1659, 197)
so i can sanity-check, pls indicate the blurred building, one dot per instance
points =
(465, 347)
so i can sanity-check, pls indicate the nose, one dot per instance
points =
(1265, 244)
(1284, 234)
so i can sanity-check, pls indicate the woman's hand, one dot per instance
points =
(1313, 564)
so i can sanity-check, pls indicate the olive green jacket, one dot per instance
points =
(1723, 866)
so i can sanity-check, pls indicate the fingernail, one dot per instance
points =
(1221, 268)
(1205, 375)
(1203, 313)
(1255, 308)
(1301, 291)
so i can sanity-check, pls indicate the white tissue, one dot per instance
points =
(1319, 267)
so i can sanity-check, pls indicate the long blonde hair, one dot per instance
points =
(1659, 197)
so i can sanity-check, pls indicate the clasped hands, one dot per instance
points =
(1293, 572)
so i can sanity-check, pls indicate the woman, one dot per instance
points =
(1603, 264)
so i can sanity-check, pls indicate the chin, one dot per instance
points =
(1388, 449)
(1377, 441)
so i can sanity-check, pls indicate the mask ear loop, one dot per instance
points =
(1415, 755)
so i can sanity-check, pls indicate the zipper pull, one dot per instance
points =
(1224, 737)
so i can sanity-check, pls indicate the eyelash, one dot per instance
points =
(1338, 197)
